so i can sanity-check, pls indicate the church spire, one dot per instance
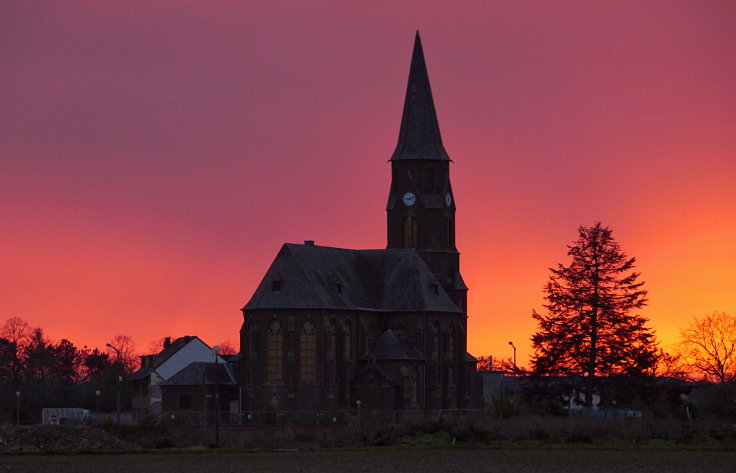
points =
(419, 137)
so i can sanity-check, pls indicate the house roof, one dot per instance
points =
(199, 373)
(162, 356)
(321, 277)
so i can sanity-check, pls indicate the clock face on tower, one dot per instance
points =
(448, 199)
(409, 199)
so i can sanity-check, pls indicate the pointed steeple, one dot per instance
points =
(419, 137)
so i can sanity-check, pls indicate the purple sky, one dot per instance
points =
(155, 155)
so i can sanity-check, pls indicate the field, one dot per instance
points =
(383, 461)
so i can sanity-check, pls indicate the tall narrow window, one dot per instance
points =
(406, 233)
(451, 355)
(308, 352)
(274, 352)
(430, 179)
(347, 349)
(414, 233)
(451, 342)
(451, 231)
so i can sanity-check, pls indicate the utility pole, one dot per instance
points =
(216, 352)
(512, 346)
(120, 381)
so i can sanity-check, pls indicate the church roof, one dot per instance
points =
(390, 347)
(419, 136)
(320, 277)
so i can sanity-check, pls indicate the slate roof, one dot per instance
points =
(199, 373)
(162, 356)
(321, 277)
(419, 136)
(390, 347)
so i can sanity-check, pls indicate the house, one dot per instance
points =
(165, 369)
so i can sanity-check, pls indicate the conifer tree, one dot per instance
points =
(592, 327)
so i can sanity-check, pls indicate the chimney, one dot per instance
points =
(167, 342)
(308, 242)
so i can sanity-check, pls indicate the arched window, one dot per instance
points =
(451, 342)
(308, 353)
(409, 235)
(347, 344)
(450, 232)
(451, 355)
(430, 179)
(274, 352)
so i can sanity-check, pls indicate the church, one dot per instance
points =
(333, 329)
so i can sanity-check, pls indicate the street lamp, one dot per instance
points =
(120, 381)
(17, 408)
(512, 346)
(97, 396)
(216, 352)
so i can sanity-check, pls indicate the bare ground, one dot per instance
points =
(383, 461)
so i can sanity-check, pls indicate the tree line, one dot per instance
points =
(36, 372)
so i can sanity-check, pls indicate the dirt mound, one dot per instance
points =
(51, 438)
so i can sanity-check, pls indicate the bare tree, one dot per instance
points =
(18, 333)
(122, 352)
(671, 364)
(16, 330)
(709, 346)
(227, 348)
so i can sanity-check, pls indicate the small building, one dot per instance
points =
(200, 391)
(156, 370)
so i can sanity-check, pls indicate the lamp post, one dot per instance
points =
(120, 381)
(17, 408)
(512, 346)
(216, 352)
(97, 397)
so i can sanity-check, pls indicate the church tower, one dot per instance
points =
(421, 206)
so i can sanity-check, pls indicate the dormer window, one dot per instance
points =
(276, 285)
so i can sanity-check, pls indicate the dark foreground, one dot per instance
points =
(383, 461)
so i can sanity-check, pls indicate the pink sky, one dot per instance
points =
(155, 155)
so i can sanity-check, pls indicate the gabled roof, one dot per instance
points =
(321, 277)
(162, 356)
(390, 347)
(202, 373)
(419, 136)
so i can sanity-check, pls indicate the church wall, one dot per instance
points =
(342, 341)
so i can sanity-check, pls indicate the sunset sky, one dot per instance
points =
(155, 155)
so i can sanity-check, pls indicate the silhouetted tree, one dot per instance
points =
(672, 364)
(122, 353)
(485, 363)
(227, 348)
(8, 351)
(94, 364)
(18, 333)
(709, 346)
(591, 327)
